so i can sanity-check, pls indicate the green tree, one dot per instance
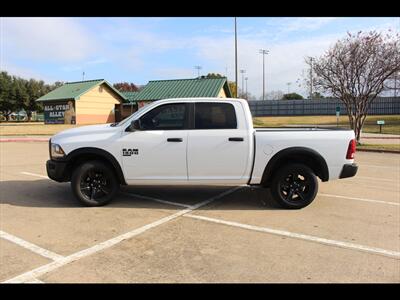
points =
(17, 93)
(292, 96)
(214, 75)
(7, 105)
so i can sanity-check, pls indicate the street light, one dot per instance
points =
(242, 72)
(263, 52)
(288, 85)
(246, 86)
(236, 82)
(198, 68)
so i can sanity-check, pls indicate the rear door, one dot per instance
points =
(218, 145)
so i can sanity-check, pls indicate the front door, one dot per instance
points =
(157, 152)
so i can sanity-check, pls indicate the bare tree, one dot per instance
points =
(355, 70)
(392, 85)
(274, 95)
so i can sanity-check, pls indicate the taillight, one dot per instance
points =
(351, 150)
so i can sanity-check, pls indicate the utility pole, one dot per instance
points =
(198, 68)
(311, 78)
(236, 82)
(242, 72)
(263, 52)
(246, 87)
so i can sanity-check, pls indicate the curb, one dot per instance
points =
(381, 138)
(24, 140)
(378, 151)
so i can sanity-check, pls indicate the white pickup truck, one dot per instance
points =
(199, 141)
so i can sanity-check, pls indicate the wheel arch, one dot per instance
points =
(307, 156)
(77, 156)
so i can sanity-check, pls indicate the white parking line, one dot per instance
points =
(380, 167)
(376, 179)
(341, 244)
(34, 281)
(30, 246)
(36, 175)
(125, 193)
(359, 199)
(33, 274)
(155, 199)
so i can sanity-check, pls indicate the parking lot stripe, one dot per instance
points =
(36, 175)
(33, 274)
(359, 199)
(30, 246)
(389, 253)
(380, 167)
(155, 199)
(376, 179)
(34, 281)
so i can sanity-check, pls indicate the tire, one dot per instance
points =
(294, 186)
(94, 183)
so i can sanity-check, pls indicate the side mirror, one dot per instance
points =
(135, 125)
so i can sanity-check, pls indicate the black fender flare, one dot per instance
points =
(107, 156)
(321, 166)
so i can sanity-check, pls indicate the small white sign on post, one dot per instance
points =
(380, 123)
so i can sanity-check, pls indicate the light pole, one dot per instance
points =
(288, 85)
(246, 86)
(242, 72)
(236, 82)
(198, 68)
(311, 81)
(263, 52)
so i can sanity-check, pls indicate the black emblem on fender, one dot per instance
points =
(129, 152)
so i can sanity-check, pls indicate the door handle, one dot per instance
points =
(236, 139)
(177, 140)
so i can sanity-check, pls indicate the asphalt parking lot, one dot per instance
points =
(350, 233)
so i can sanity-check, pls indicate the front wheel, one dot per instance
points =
(294, 186)
(94, 183)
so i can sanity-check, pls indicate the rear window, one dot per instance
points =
(215, 116)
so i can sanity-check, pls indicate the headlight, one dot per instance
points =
(56, 151)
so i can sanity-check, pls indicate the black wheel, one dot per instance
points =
(294, 186)
(94, 183)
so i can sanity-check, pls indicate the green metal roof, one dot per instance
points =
(73, 90)
(130, 96)
(181, 88)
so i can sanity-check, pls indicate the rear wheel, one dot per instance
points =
(94, 183)
(294, 186)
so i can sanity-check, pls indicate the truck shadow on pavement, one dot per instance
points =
(45, 193)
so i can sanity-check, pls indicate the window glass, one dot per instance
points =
(165, 117)
(215, 116)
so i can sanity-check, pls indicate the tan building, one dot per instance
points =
(176, 88)
(83, 102)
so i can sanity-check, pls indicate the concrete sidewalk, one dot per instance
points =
(378, 138)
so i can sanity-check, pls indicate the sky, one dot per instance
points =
(141, 49)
